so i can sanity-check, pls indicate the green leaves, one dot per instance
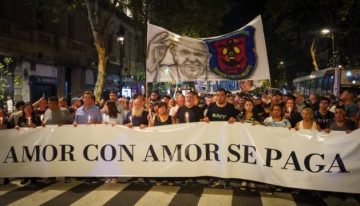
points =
(5, 64)
(291, 26)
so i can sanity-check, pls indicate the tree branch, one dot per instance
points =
(96, 14)
(89, 10)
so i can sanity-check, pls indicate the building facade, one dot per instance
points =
(55, 55)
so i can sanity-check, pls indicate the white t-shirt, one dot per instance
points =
(106, 118)
(301, 125)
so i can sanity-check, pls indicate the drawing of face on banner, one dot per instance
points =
(233, 55)
(174, 58)
(191, 58)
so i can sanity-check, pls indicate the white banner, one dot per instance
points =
(276, 156)
(240, 54)
(234, 86)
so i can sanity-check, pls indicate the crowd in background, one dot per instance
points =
(322, 113)
(274, 109)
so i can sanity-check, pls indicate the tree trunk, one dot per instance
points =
(102, 59)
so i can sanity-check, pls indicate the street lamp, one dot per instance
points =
(325, 31)
(334, 61)
(281, 68)
(120, 39)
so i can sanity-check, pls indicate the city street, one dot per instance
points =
(84, 193)
(185, 102)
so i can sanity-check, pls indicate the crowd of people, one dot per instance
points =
(321, 113)
(273, 109)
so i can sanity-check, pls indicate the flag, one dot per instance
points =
(238, 55)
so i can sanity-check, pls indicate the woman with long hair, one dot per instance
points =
(290, 112)
(249, 115)
(276, 118)
(28, 117)
(110, 114)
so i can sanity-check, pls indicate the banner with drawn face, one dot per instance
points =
(238, 55)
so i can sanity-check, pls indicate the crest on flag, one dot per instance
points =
(233, 56)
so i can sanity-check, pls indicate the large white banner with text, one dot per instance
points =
(278, 156)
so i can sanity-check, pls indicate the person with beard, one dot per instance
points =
(137, 117)
(221, 110)
(189, 112)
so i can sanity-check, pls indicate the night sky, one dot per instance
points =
(277, 48)
(242, 13)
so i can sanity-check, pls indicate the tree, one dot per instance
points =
(99, 13)
(199, 18)
(99, 21)
(292, 25)
(5, 64)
